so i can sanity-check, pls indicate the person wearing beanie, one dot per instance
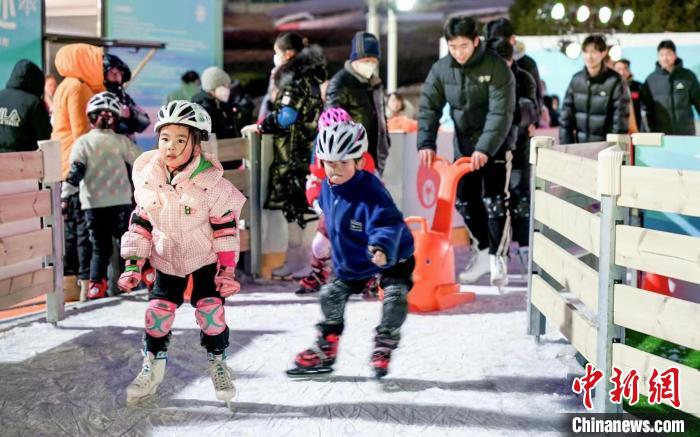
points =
(214, 97)
(358, 89)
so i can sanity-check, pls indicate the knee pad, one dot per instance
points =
(520, 207)
(160, 316)
(495, 206)
(210, 316)
(395, 293)
(321, 246)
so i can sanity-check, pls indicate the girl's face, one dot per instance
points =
(175, 145)
(395, 103)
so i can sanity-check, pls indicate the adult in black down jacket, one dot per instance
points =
(670, 93)
(24, 119)
(597, 101)
(358, 89)
(479, 87)
(299, 72)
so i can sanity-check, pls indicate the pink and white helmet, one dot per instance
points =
(333, 116)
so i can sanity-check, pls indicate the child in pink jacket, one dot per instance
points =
(185, 223)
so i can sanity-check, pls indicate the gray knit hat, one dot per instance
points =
(214, 77)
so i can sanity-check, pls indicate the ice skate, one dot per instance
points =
(97, 289)
(478, 266)
(222, 377)
(318, 276)
(317, 360)
(146, 382)
(499, 271)
(383, 347)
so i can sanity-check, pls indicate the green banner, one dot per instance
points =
(20, 34)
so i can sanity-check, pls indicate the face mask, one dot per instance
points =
(365, 69)
(113, 87)
(278, 60)
(222, 93)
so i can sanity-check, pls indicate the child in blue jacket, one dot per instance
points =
(368, 235)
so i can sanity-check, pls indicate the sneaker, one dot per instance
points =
(97, 289)
(499, 270)
(477, 267)
(146, 382)
(222, 377)
(308, 285)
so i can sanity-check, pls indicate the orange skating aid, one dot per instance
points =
(434, 276)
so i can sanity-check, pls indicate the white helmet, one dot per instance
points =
(184, 113)
(345, 140)
(105, 101)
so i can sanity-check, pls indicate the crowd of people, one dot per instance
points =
(177, 217)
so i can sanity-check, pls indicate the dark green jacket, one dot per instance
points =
(481, 95)
(298, 86)
(669, 99)
(364, 101)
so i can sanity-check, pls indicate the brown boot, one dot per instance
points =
(84, 287)
(71, 291)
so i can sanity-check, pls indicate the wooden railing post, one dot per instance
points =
(536, 320)
(609, 167)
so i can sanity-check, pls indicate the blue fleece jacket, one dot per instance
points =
(361, 213)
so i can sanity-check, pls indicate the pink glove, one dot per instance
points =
(224, 280)
(131, 276)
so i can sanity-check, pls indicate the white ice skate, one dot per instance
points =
(478, 266)
(222, 377)
(499, 271)
(146, 382)
(524, 258)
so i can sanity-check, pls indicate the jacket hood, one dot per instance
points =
(83, 62)
(27, 76)
(309, 62)
(677, 64)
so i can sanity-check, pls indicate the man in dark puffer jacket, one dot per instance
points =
(597, 101)
(24, 118)
(480, 90)
(669, 94)
(358, 89)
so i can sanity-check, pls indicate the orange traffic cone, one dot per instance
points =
(434, 276)
(656, 283)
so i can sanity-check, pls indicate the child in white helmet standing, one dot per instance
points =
(185, 223)
(98, 169)
(368, 235)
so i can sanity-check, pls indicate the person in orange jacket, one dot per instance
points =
(81, 65)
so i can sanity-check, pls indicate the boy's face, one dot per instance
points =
(667, 59)
(592, 57)
(339, 172)
(175, 145)
(462, 48)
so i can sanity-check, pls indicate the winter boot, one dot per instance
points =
(146, 382)
(476, 268)
(97, 289)
(499, 270)
(318, 359)
(71, 291)
(384, 345)
(222, 377)
(320, 272)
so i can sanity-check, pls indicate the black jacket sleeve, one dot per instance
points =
(432, 101)
(40, 121)
(621, 108)
(567, 117)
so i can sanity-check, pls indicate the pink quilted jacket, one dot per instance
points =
(181, 212)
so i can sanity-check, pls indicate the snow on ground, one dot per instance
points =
(469, 371)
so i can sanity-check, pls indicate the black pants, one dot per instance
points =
(78, 250)
(172, 289)
(482, 200)
(396, 282)
(520, 194)
(105, 224)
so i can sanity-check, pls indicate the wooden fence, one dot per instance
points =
(31, 228)
(585, 296)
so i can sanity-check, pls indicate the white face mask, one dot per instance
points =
(278, 60)
(365, 69)
(222, 93)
